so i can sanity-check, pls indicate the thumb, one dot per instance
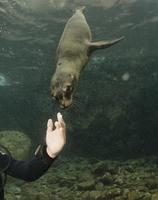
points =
(49, 125)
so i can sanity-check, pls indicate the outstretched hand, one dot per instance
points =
(55, 137)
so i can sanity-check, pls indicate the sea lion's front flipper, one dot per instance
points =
(103, 44)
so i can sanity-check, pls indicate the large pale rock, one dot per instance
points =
(16, 142)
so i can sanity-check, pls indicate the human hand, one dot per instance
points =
(55, 138)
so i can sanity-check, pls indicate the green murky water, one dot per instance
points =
(116, 105)
(116, 101)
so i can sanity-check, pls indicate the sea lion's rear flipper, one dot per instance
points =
(103, 44)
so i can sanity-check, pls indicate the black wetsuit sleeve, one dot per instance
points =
(28, 170)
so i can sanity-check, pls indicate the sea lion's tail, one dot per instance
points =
(80, 8)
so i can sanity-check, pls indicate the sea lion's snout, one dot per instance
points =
(63, 101)
(63, 96)
(65, 104)
(62, 89)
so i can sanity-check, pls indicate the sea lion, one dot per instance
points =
(73, 52)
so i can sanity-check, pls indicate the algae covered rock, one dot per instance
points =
(154, 196)
(106, 179)
(151, 183)
(87, 185)
(135, 195)
(95, 195)
(99, 186)
(16, 142)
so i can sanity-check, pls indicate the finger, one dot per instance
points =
(60, 119)
(57, 125)
(50, 125)
(64, 134)
(63, 131)
(59, 116)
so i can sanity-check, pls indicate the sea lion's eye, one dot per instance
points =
(53, 98)
(59, 63)
(72, 76)
(57, 98)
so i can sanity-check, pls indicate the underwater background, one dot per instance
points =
(112, 128)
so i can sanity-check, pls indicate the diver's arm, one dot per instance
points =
(35, 167)
(28, 170)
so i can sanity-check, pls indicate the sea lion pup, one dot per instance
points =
(73, 52)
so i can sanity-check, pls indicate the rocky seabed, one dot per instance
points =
(91, 179)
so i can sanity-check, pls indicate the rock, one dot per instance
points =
(99, 168)
(125, 193)
(85, 175)
(99, 186)
(16, 142)
(106, 179)
(135, 195)
(85, 195)
(151, 183)
(154, 196)
(87, 185)
(111, 193)
(147, 196)
(95, 195)
(115, 192)
(118, 180)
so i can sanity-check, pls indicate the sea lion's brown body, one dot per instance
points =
(73, 53)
